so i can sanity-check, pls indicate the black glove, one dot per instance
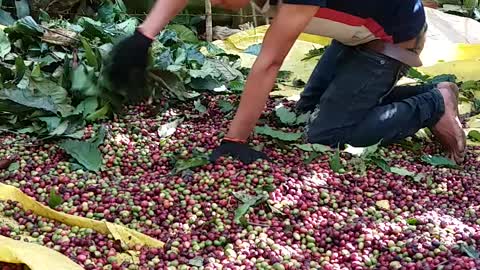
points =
(129, 60)
(237, 150)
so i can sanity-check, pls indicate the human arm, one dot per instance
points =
(288, 24)
(279, 39)
(161, 14)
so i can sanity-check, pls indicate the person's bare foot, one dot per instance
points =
(449, 130)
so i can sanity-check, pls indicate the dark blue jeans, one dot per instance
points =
(359, 104)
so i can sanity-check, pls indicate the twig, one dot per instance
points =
(260, 225)
(441, 263)
(208, 23)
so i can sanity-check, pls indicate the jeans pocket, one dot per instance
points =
(400, 74)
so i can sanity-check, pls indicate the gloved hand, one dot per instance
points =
(238, 150)
(129, 60)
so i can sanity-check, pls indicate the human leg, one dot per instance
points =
(361, 82)
(321, 77)
(361, 106)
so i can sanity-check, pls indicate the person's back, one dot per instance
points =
(357, 22)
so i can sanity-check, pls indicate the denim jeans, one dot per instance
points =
(359, 104)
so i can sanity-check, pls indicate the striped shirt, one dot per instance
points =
(357, 22)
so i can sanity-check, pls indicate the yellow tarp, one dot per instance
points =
(463, 60)
(438, 57)
(36, 257)
(31, 254)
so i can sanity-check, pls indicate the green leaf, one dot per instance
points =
(417, 178)
(225, 69)
(302, 118)
(99, 114)
(199, 106)
(49, 88)
(99, 138)
(314, 53)
(127, 27)
(36, 73)
(105, 12)
(93, 29)
(52, 122)
(60, 129)
(86, 106)
(412, 221)
(313, 147)
(214, 49)
(81, 80)
(194, 162)
(22, 7)
(20, 69)
(470, 85)
(171, 82)
(27, 26)
(470, 251)
(164, 59)
(404, 172)
(27, 98)
(6, 18)
(169, 129)
(86, 153)
(286, 116)
(382, 164)
(253, 49)
(277, 134)
(335, 163)
(207, 83)
(14, 167)
(248, 201)
(442, 78)
(401, 171)
(225, 106)
(438, 161)
(43, 16)
(89, 54)
(183, 32)
(5, 46)
(311, 157)
(54, 200)
(415, 74)
(236, 86)
(474, 135)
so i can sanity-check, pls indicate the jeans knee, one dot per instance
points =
(322, 136)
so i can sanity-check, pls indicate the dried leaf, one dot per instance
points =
(197, 261)
(60, 36)
(383, 204)
(169, 129)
